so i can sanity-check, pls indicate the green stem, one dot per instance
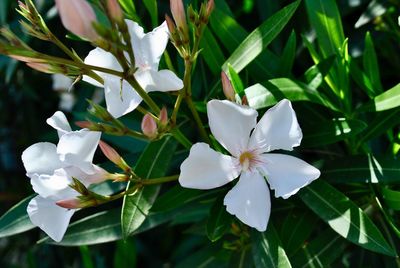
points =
(142, 93)
(181, 138)
(158, 180)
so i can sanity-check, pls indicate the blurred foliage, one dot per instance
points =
(373, 33)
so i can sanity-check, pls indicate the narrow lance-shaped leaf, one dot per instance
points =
(344, 217)
(16, 219)
(267, 249)
(387, 100)
(218, 221)
(153, 163)
(371, 66)
(288, 55)
(211, 53)
(254, 44)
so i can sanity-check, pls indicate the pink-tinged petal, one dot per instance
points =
(277, 129)
(92, 174)
(164, 80)
(231, 124)
(249, 200)
(148, 48)
(59, 122)
(287, 174)
(207, 169)
(41, 158)
(77, 16)
(55, 186)
(52, 219)
(77, 148)
(120, 100)
(101, 58)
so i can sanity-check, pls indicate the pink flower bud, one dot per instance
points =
(110, 153)
(163, 117)
(84, 124)
(41, 67)
(70, 203)
(170, 24)
(78, 16)
(149, 126)
(178, 12)
(114, 10)
(229, 92)
(210, 7)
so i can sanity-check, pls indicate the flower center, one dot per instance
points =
(247, 160)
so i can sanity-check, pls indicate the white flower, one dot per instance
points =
(148, 49)
(51, 169)
(232, 125)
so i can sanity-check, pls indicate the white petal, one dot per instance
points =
(164, 80)
(120, 101)
(101, 58)
(41, 158)
(277, 129)
(207, 169)
(55, 186)
(249, 201)
(93, 174)
(49, 217)
(287, 174)
(77, 148)
(231, 124)
(148, 48)
(59, 122)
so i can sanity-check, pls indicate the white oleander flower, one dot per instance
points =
(232, 125)
(51, 169)
(148, 49)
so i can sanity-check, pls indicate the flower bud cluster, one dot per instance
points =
(152, 128)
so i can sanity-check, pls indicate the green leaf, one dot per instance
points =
(267, 249)
(344, 217)
(315, 75)
(153, 163)
(371, 66)
(325, 19)
(16, 219)
(320, 252)
(211, 53)
(151, 6)
(125, 254)
(391, 197)
(387, 100)
(329, 132)
(288, 55)
(361, 79)
(237, 83)
(261, 96)
(211, 256)
(260, 38)
(362, 169)
(219, 220)
(296, 229)
(129, 8)
(231, 34)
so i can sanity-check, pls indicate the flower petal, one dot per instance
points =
(101, 58)
(206, 168)
(120, 101)
(249, 201)
(231, 124)
(49, 217)
(277, 129)
(287, 174)
(55, 186)
(77, 148)
(59, 122)
(95, 174)
(164, 80)
(148, 48)
(41, 158)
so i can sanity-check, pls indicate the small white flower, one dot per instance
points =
(148, 49)
(232, 125)
(51, 169)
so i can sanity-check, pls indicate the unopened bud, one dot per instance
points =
(70, 203)
(113, 156)
(78, 17)
(164, 117)
(115, 11)
(170, 24)
(227, 88)
(149, 126)
(210, 7)
(245, 101)
(179, 14)
(84, 124)
(41, 67)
